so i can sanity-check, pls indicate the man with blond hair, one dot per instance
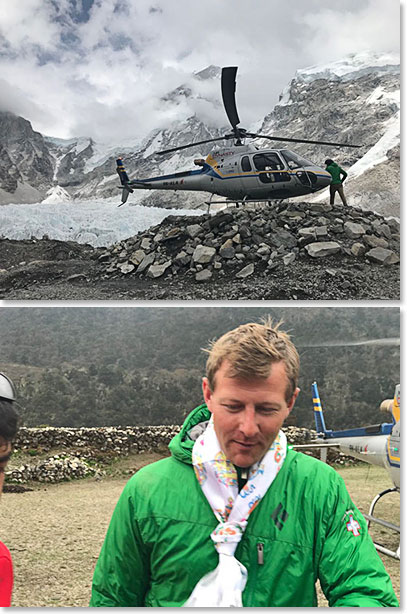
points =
(233, 517)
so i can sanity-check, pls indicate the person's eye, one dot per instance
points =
(233, 408)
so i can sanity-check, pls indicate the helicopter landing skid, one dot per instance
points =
(384, 523)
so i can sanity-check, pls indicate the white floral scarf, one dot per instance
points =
(217, 476)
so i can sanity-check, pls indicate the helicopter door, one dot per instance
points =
(248, 177)
(271, 172)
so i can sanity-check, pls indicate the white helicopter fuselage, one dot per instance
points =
(377, 444)
(381, 450)
(245, 172)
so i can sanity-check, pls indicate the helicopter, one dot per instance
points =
(377, 444)
(241, 172)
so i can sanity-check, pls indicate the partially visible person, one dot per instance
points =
(338, 177)
(8, 430)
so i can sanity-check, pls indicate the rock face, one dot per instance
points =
(249, 240)
(24, 155)
(358, 102)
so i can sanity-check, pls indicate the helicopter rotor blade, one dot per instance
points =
(228, 84)
(219, 138)
(279, 138)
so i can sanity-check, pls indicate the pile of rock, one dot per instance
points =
(57, 468)
(248, 240)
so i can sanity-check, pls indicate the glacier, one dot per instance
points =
(98, 222)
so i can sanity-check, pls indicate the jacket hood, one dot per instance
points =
(332, 164)
(181, 445)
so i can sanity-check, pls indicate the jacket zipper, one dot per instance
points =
(253, 575)
(260, 553)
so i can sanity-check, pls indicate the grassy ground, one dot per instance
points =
(55, 531)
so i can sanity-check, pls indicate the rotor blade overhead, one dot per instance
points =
(228, 94)
(219, 138)
(280, 138)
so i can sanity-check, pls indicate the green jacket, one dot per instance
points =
(158, 544)
(336, 171)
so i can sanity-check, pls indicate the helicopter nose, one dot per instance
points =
(323, 180)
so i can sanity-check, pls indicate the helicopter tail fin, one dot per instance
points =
(124, 180)
(318, 413)
(122, 171)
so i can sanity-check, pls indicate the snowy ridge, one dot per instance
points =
(99, 222)
(351, 67)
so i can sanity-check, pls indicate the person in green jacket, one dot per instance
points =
(338, 177)
(234, 516)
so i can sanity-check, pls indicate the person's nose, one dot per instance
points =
(248, 425)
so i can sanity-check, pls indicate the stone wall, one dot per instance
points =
(120, 440)
(77, 449)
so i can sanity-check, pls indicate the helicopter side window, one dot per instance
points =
(246, 166)
(294, 160)
(269, 164)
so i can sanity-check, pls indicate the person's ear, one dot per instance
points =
(291, 404)
(207, 392)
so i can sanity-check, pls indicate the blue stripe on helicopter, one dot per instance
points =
(165, 177)
(208, 171)
(377, 429)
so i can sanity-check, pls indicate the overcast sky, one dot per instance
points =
(99, 68)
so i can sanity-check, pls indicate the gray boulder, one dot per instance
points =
(382, 256)
(203, 275)
(246, 271)
(146, 262)
(358, 250)
(193, 230)
(353, 230)
(203, 254)
(322, 248)
(373, 241)
(227, 250)
(126, 268)
(157, 270)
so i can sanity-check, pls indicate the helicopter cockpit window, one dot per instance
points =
(270, 162)
(246, 166)
(294, 160)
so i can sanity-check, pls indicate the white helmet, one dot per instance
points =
(7, 390)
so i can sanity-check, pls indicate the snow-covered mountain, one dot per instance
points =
(356, 100)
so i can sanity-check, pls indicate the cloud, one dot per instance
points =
(101, 68)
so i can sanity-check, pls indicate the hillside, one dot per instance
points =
(116, 366)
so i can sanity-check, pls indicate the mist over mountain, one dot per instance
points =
(116, 366)
(356, 100)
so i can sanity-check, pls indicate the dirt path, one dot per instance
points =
(56, 531)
